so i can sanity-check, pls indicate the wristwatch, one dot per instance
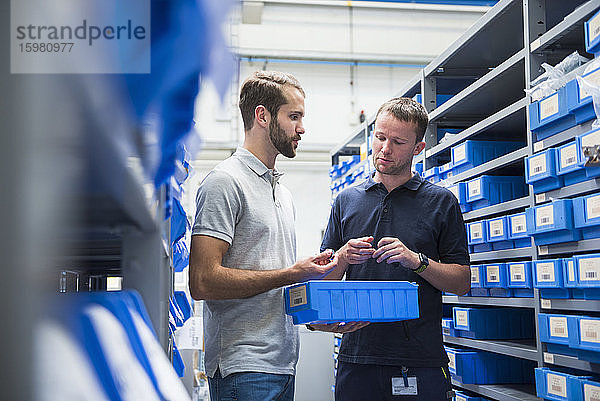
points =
(424, 263)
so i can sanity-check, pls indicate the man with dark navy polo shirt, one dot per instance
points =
(397, 226)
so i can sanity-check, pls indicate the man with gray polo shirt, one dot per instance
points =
(244, 250)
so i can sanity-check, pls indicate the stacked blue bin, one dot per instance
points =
(548, 277)
(592, 35)
(569, 165)
(586, 211)
(470, 153)
(554, 332)
(588, 141)
(550, 115)
(552, 223)
(571, 278)
(585, 337)
(460, 192)
(445, 171)
(560, 386)
(448, 326)
(462, 396)
(520, 280)
(587, 275)
(490, 190)
(432, 175)
(517, 230)
(478, 285)
(540, 171)
(477, 237)
(498, 234)
(496, 280)
(493, 323)
(579, 102)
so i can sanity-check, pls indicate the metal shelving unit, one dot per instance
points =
(486, 78)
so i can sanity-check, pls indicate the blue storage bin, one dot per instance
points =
(592, 34)
(569, 165)
(460, 396)
(432, 174)
(587, 274)
(448, 326)
(570, 278)
(579, 102)
(590, 388)
(540, 171)
(517, 230)
(178, 362)
(558, 386)
(550, 115)
(445, 171)
(183, 302)
(418, 168)
(552, 222)
(477, 236)
(470, 153)
(490, 190)
(548, 277)
(496, 279)
(554, 332)
(493, 323)
(478, 281)
(460, 192)
(519, 279)
(481, 367)
(345, 301)
(439, 99)
(497, 233)
(585, 337)
(586, 213)
(588, 139)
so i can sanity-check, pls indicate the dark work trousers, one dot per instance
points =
(360, 382)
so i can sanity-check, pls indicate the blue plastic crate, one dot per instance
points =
(586, 213)
(540, 171)
(184, 304)
(585, 337)
(587, 274)
(445, 171)
(552, 222)
(460, 192)
(478, 281)
(558, 386)
(335, 301)
(548, 277)
(493, 323)
(469, 153)
(490, 190)
(570, 278)
(497, 233)
(178, 364)
(579, 102)
(550, 115)
(432, 174)
(496, 279)
(460, 396)
(477, 236)
(517, 230)
(554, 332)
(588, 139)
(448, 326)
(481, 367)
(519, 279)
(590, 388)
(440, 99)
(569, 165)
(418, 168)
(592, 34)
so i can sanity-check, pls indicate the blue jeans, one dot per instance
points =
(251, 386)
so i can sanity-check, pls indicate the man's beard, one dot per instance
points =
(393, 170)
(280, 140)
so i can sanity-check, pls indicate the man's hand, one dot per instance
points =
(342, 327)
(357, 250)
(314, 267)
(392, 250)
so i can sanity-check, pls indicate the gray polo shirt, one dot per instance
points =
(240, 201)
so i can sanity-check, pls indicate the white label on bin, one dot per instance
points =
(537, 165)
(589, 330)
(545, 272)
(298, 296)
(593, 28)
(568, 156)
(460, 152)
(496, 228)
(589, 269)
(591, 139)
(591, 392)
(539, 198)
(546, 304)
(592, 207)
(593, 79)
(517, 272)
(558, 327)
(474, 274)
(544, 216)
(571, 271)
(462, 318)
(557, 385)
(454, 190)
(452, 363)
(519, 224)
(476, 230)
(549, 106)
(474, 187)
(493, 274)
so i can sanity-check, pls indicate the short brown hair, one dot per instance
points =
(406, 109)
(265, 88)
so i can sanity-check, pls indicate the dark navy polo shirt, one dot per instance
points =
(427, 219)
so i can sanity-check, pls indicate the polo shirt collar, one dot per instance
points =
(255, 164)
(413, 184)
